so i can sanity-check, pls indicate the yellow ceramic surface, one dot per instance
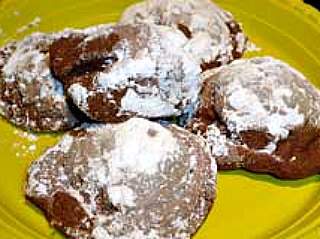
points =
(249, 206)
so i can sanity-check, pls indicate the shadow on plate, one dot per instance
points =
(272, 180)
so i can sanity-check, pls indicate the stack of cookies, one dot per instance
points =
(151, 107)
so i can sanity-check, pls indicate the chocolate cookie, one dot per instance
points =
(263, 116)
(131, 180)
(30, 96)
(129, 70)
(215, 37)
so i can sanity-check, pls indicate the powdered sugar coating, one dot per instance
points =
(152, 75)
(133, 180)
(264, 94)
(253, 114)
(214, 34)
(29, 95)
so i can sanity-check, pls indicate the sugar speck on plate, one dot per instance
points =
(25, 144)
(35, 22)
(26, 135)
(252, 47)
(32, 147)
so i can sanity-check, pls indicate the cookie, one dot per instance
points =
(133, 180)
(30, 97)
(215, 37)
(129, 70)
(261, 115)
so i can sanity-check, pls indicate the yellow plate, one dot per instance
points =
(249, 206)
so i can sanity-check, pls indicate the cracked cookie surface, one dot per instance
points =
(134, 180)
(128, 70)
(214, 37)
(30, 96)
(261, 115)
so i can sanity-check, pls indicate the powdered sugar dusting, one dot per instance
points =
(143, 169)
(153, 107)
(123, 71)
(159, 75)
(217, 142)
(66, 143)
(261, 94)
(26, 73)
(80, 94)
(100, 233)
(211, 38)
(122, 195)
(133, 158)
(258, 97)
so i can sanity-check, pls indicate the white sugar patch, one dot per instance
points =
(122, 72)
(242, 44)
(144, 157)
(80, 94)
(249, 112)
(121, 195)
(36, 187)
(179, 223)
(269, 149)
(28, 62)
(151, 106)
(100, 232)
(140, 148)
(217, 142)
(41, 189)
(258, 97)
(66, 143)
(201, 47)
(98, 170)
(278, 124)
(58, 91)
(193, 162)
